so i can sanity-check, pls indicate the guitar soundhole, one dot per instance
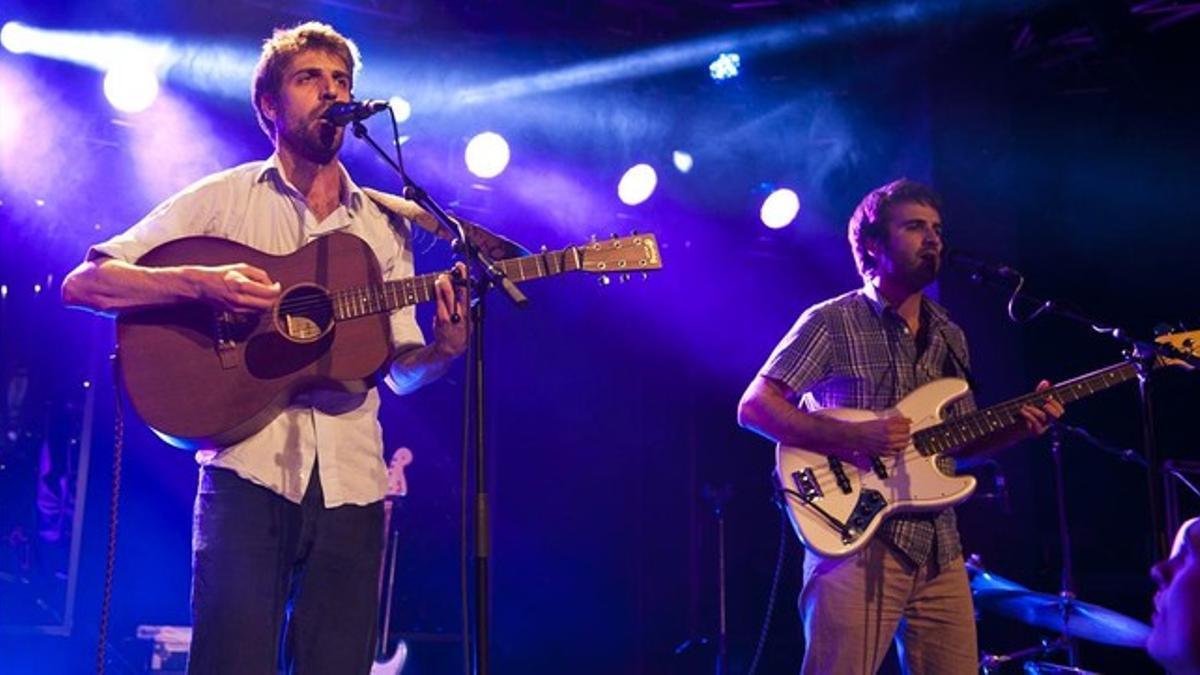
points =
(305, 314)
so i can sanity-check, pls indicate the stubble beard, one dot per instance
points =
(317, 142)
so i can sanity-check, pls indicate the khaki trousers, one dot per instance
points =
(852, 608)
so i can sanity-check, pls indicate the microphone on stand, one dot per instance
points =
(341, 114)
(980, 270)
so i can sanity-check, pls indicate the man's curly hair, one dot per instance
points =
(282, 47)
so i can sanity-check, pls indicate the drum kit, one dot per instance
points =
(1061, 613)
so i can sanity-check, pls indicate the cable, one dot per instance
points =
(766, 625)
(110, 555)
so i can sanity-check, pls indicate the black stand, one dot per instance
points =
(1066, 591)
(489, 276)
(1141, 353)
(717, 497)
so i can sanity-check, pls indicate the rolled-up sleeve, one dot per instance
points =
(190, 212)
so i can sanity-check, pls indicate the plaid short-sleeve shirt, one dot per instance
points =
(854, 351)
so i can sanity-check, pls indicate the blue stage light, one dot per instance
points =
(15, 37)
(637, 184)
(131, 87)
(725, 67)
(779, 209)
(683, 161)
(487, 154)
(401, 108)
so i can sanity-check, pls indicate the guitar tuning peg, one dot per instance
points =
(592, 239)
(604, 280)
(623, 278)
(544, 249)
(613, 235)
(633, 233)
(645, 276)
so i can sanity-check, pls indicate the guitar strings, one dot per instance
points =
(369, 295)
(1108, 376)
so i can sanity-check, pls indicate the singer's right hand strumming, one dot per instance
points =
(108, 285)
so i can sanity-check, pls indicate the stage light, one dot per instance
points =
(683, 161)
(401, 108)
(637, 184)
(487, 154)
(14, 37)
(725, 67)
(131, 87)
(779, 209)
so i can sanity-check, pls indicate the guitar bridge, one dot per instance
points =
(807, 485)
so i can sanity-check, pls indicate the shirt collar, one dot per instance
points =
(352, 195)
(936, 313)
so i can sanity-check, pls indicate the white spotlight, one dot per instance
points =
(637, 184)
(683, 161)
(401, 108)
(725, 67)
(487, 154)
(131, 87)
(779, 209)
(15, 37)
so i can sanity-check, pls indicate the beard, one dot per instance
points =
(925, 270)
(314, 140)
(914, 273)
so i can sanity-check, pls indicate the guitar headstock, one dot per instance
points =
(397, 485)
(1183, 349)
(633, 253)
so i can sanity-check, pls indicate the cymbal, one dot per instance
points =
(1065, 615)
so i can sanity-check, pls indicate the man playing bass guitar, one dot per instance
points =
(867, 349)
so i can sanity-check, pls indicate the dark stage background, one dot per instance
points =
(1063, 136)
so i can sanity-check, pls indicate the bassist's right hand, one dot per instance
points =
(884, 436)
(237, 288)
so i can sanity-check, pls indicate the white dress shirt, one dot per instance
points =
(254, 204)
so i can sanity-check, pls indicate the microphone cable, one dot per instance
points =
(110, 553)
(778, 500)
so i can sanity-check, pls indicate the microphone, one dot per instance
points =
(979, 269)
(341, 114)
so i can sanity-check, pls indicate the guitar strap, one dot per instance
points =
(960, 365)
(397, 207)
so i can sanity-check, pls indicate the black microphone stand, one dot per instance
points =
(717, 498)
(474, 408)
(1066, 591)
(1142, 354)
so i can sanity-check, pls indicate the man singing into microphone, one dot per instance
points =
(867, 349)
(288, 523)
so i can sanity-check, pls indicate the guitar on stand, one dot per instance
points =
(397, 488)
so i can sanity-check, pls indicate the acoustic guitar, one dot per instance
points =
(201, 377)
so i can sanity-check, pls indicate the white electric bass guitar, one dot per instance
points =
(397, 488)
(837, 506)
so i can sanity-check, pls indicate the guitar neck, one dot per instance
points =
(392, 295)
(962, 431)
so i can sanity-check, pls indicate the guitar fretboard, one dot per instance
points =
(962, 431)
(391, 295)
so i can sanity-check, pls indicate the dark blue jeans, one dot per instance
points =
(281, 586)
